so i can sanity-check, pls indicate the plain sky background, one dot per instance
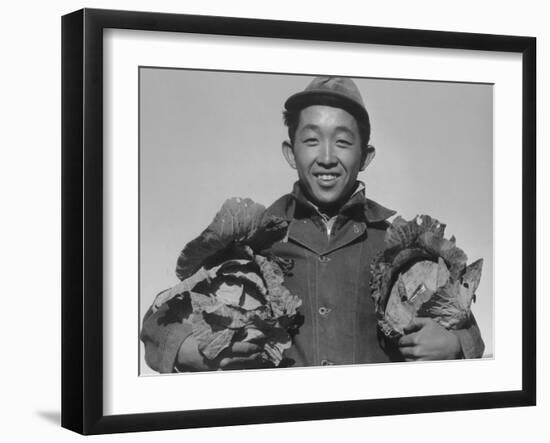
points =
(30, 188)
(208, 135)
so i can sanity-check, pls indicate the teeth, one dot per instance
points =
(326, 176)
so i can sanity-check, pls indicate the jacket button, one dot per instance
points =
(324, 259)
(324, 311)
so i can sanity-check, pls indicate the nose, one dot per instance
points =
(327, 155)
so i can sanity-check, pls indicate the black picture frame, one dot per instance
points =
(82, 220)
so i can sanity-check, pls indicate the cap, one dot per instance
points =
(340, 92)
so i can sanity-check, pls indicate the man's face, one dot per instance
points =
(327, 154)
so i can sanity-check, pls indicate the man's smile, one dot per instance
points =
(326, 179)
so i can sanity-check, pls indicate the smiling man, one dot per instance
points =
(333, 236)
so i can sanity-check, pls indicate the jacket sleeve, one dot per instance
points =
(163, 332)
(470, 339)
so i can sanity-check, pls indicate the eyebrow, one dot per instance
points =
(338, 128)
(309, 126)
(345, 129)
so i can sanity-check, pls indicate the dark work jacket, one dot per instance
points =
(331, 275)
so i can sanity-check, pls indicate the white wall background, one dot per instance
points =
(30, 234)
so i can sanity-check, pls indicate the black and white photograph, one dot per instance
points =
(290, 221)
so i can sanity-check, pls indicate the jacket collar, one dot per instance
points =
(287, 206)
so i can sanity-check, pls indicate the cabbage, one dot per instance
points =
(237, 294)
(420, 273)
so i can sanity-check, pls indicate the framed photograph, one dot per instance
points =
(270, 221)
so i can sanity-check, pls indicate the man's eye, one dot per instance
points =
(310, 141)
(343, 142)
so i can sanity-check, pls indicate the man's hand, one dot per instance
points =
(426, 339)
(241, 355)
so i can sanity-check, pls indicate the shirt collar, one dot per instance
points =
(374, 212)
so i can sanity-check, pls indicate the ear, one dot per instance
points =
(288, 153)
(368, 155)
